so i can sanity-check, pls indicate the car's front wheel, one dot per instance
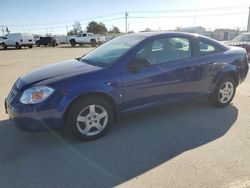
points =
(90, 118)
(4, 46)
(72, 43)
(224, 92)
(93, 43)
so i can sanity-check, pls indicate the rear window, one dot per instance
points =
(207, 48)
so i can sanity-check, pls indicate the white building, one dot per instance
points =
(225, 34)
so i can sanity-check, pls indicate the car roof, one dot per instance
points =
(158, 33)
(181, 34)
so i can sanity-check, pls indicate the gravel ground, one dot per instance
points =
(187, 144)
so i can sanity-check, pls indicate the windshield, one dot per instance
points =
(241, 38)
(111, 51)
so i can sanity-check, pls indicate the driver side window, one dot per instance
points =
(166, 50)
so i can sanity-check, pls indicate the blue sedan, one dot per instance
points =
(129, 73)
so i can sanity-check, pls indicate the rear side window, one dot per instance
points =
(206, 48)
(166, 50)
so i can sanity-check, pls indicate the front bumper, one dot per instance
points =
(28, 118)
(34, 117)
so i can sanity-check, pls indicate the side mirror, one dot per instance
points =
(138, 63)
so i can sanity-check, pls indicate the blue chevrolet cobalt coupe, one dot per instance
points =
(129, 73)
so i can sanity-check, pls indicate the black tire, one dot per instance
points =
(30, 46)
(53, 44)
(18, 46)
(4, 46)
(80, 105)
(72, 43)
(217, 96)
(93, 43)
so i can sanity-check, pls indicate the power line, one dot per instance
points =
(120, 13)
(182, 16)
(133, 15)
(67, 21)
(188, 10)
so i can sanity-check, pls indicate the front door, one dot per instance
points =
(171, 74)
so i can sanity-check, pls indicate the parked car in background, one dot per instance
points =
(18, 40)
(241, 40)
(47, 41)
(129, 73)
(36, 37)
(87, 38)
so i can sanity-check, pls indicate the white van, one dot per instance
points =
(18, 40)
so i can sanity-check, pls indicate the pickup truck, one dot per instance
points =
(86, 38)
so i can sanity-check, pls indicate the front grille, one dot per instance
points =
(13, 93)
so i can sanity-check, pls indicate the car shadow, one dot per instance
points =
(141, 142)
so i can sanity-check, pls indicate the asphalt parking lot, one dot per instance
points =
(187, 144)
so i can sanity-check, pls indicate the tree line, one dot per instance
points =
(93, 27)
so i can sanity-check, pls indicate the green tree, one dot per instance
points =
(96, 28)
(147, 29)
(114, 30)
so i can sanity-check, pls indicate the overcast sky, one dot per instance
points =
(54, 15)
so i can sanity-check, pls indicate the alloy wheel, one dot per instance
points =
(92, 120)
(226, 92)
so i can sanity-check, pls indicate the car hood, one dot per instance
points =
(65, 68)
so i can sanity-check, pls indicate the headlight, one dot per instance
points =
(36, 95)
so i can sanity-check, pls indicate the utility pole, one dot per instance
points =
(248, 24)
(194, 20)
(126, 22)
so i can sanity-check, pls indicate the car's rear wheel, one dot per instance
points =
(224, 92)
(72, 43)
(90, 118)
(18, 46)
(53, 43)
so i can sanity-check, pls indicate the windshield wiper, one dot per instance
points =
(89, 62)
(78, 58)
